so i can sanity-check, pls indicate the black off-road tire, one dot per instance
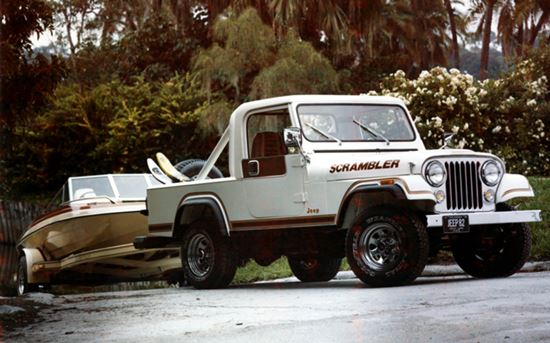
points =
(191, 168)
(207, 257)
(314, 269)
(493, 250)
(22, 283)
(387, 246)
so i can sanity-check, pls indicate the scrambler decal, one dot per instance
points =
(349, 167)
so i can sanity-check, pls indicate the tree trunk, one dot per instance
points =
(535, 31)
(454, 46)
(486, 39)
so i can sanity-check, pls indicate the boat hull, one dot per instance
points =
(76, 229)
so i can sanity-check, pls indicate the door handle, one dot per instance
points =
(253, 168)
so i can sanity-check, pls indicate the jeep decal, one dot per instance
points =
(349, 167)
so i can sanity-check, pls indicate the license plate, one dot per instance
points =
(456, 224)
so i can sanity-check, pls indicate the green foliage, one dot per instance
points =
(112, 127)
(245, 46)
(299, 69)
(246, 62)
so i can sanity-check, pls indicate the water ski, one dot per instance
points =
(169, 169)
(157, 172)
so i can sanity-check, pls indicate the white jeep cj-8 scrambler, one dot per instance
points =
(318, 178)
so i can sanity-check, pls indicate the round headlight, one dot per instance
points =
(490, 173)
(435, 173)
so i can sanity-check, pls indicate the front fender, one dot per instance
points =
(513, 186)
(415, 187)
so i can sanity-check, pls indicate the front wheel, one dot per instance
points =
(314, 269)
(207, 257)
(387, 247)
(23, 286)
(493, 250)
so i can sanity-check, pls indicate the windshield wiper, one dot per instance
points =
(372, 131)
(323, 133)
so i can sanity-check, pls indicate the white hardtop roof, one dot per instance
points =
(320, 99)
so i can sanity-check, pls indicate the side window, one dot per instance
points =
(265, 133)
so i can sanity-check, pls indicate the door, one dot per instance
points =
(273, 177)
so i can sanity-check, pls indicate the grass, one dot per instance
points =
(252, 272)
(540, 231)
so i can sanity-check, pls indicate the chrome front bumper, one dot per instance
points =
(484, 218)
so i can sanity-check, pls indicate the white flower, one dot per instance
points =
(497, 129)
(531, 103)
(437, 122)
(424, 74)
(455, 129)
(400, 73)
(466, 126)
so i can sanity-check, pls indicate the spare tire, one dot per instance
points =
(191, 168)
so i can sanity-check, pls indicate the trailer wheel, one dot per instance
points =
(207, 257)
(493, 250)
(387, 247)
(314, 269)
(22, 284)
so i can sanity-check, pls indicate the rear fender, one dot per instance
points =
(198, 207)
(34, 256)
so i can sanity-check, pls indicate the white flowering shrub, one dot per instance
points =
(509, 117)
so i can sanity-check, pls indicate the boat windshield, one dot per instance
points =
(131, 186)
(355, 123)
(91, 187)
(113, 186)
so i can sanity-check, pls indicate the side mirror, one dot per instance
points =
(293, 137)
(447, 138)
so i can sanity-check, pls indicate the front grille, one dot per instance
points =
(463, 185)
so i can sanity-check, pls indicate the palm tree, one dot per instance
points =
(485, 8)
(453, 27)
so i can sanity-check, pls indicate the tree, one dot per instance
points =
(486, 9)
(455, 52)
(25, 79)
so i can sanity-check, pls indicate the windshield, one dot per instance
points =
(124, 186)
(131, 186)
(353, 123)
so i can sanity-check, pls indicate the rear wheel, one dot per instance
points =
(23, 286)
(387, 247)
(493, 250)
(207, 257)
(314, 269)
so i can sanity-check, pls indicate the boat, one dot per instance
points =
(88, 236)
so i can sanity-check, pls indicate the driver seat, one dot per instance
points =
(267, 144)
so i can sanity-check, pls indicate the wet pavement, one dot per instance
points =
(450, 308)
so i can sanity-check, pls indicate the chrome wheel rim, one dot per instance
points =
(380, 247)
(200, 256)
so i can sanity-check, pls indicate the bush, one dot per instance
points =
(113, 127)
(507, 117)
